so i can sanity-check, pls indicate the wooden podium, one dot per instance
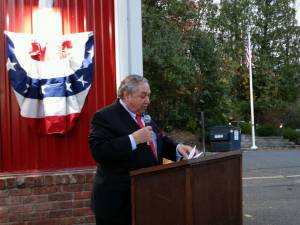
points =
(203, 191)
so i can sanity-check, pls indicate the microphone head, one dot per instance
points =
(147, 119)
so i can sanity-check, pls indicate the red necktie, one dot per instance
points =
(141, 125)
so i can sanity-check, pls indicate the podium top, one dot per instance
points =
(188, 163)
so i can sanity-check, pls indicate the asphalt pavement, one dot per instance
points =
(271, 187)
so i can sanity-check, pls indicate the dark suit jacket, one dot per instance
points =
(111, 149)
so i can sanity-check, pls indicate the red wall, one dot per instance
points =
(21, 148)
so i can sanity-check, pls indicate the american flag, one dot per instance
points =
(50, 80)
(248, 51)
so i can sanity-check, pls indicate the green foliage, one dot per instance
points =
(275, 35)
(181, 64)
(291, 116)
(193, 58)
(290, 134)
(245, 128)
(267, 130)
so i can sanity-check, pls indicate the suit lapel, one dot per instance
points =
(126, 117)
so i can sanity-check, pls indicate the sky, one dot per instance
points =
(298, 11)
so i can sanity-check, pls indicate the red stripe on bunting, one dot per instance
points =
(53, 124)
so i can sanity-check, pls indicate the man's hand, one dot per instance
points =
(184, 150)
(143, 135)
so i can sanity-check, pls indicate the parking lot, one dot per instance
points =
(271, 187)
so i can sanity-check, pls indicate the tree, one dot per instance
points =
(230, 27)
(277, 55)
(194, 53)
(180, 62)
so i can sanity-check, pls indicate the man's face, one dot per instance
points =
(138, 101)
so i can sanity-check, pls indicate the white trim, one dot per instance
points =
(272, 177)
(128, 38)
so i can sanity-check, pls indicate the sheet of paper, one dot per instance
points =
(192, 153)
(198, 155)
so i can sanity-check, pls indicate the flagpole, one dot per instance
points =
(251, 95)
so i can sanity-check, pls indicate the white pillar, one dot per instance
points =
(45, 3)
(128, 38)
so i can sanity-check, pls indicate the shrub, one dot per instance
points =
(267, 130)
(245, 128)
(290, 134)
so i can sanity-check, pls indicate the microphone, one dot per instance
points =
(147, 119)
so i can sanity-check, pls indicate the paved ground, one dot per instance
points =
(271, 181)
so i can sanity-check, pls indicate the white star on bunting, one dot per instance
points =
(26, 89)
(68, 87)
(82, 80)
(10, 65)
(43, 87)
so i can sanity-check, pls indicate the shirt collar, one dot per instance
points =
(125, 107)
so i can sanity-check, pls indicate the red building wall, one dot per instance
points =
(21, 148)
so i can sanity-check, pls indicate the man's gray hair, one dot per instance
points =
(129, 84)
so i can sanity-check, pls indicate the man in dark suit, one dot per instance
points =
(120, 142)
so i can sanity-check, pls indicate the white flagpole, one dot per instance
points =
(251, 92)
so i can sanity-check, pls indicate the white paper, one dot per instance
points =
(198, 155)
(192, 153)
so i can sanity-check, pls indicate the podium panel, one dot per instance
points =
(205, 191)
(217, 193)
